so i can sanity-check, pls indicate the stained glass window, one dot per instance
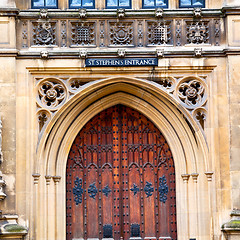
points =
(191, 3)
(155, 3)
(44, 3)
(81, 4)
(118, 3)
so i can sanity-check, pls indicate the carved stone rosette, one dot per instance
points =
(51, 93)
(191, 93)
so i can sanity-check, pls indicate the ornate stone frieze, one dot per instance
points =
(83, 33)
(198, 32)
(44, 33)
(159, 32)
(121, 33)
(142, 32)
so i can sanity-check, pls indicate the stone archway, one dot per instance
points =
(183, 135)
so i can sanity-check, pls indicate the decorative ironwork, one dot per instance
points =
(159, 32)
(44, 33)
(163, 189)
(106, 190)
(197, 32)
(51, 93)
(135, 189)
(135, 230)
(121, 33)
(107, 231)
(191, 93)
(83, 33)
(92, 190)
(78, 191)
(148, 189)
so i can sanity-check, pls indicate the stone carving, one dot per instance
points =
(159, 33)
(140, 34)
(217, 32)
(121, 53)
(198, 52)
(160, 52)
(63, 33)
(159, 12)
(191, 93)
(83, 33)
(197, 32)
(51, 93)
(200, 115)
(83, 53)
(2, 182)
(44, 54)
(75, 84)
(178, 32)
(197, 12)
(165, 82)
(82, 12)
(102, 34)
(121, 13)
(121, 33)
(43, 117)
(44, 33)
(24, 34)
(43, 13)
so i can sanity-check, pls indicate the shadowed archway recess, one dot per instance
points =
(184, 137)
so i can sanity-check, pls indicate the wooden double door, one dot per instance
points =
(120, 179)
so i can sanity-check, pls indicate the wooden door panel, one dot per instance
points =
(120, 179)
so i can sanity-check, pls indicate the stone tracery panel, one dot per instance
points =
(190, 92)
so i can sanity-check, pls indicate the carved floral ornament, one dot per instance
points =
(190, 92)
(51, 93)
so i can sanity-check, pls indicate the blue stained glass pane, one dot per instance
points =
(38, 3)
(124, 3)
(112, 3)
(197, 2)
(185, 2)
(87, 3)
(75, 3)
(148, 3)
(161, 3)
(51, 3)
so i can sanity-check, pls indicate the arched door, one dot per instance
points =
(120, 179)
